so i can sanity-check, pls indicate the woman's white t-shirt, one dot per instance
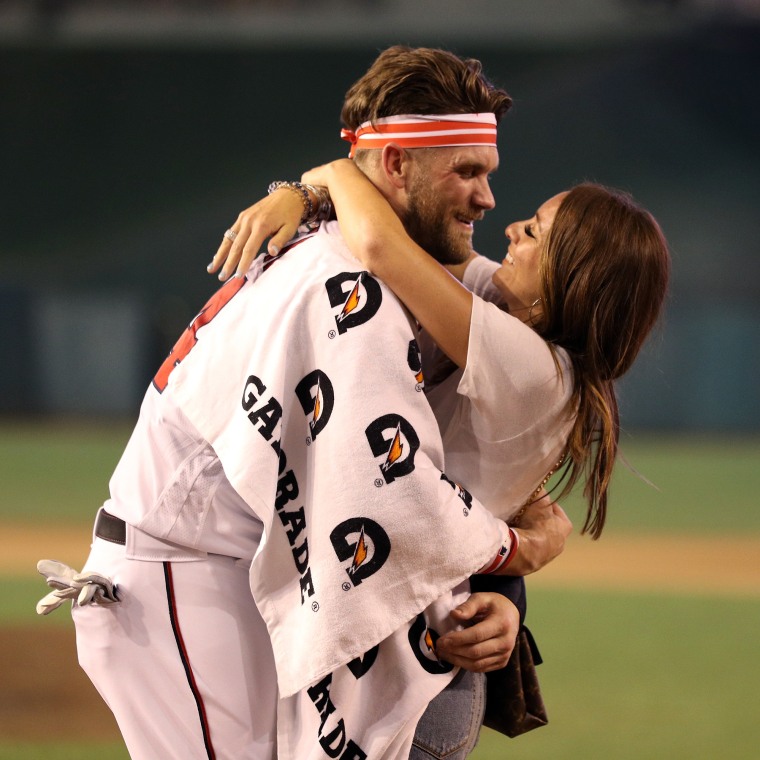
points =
(505, 419)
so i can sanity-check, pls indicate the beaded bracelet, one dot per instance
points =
(297, 187)
(505, 554)
(324, 208)
(310, 215)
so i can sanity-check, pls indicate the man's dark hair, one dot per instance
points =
(405, 80)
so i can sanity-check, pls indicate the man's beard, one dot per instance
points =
(429, 224)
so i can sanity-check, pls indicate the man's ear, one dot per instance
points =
(395, 163)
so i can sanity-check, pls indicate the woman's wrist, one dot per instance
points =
(317, 206)
(505, 554)
(321, 202)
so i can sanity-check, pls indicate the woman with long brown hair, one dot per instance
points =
(579, 290)
(519, 364)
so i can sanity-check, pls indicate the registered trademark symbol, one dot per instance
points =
(346, 586)
(331, 334)
(308, 441)
(419, 387)
(379, 483)
(465, 511)
(315, 606)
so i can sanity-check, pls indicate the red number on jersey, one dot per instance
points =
(189, 338)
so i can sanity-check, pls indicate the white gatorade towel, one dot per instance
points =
(305, 379)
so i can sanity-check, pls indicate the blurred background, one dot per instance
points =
(132, 134)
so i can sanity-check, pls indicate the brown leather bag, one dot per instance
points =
(514, 704)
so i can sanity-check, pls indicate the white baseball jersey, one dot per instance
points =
(289, 426)
(304, 386)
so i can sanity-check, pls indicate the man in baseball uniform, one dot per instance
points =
(275, 562)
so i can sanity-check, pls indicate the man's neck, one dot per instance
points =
(394, 195)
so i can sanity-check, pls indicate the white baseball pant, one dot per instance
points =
(184, 660)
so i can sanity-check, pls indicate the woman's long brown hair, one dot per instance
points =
(604, 275)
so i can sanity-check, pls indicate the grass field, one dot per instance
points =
(643, 673)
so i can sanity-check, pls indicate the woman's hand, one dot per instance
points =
(543, 530)
(276, 217)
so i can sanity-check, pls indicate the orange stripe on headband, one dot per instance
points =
(445, 131)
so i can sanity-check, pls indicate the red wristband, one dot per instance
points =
(505, 554)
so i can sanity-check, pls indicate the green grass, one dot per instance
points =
(57, 472)
(60, 472)
(64, 751)
(699, 485)
(626, 676)
(19, 596)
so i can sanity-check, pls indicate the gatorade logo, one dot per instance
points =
(365, 543)
(317, 398)
(461, 492)
(396, 441)
(357, 294)
(422, 640)
(414, 360)
(362, 664)
(333, 735)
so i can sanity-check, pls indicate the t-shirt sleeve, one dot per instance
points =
(478, 279)
(511, 377)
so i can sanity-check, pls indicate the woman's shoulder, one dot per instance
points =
(505, 339)
(478, 278)
(508, 360)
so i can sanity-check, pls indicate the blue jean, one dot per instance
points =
(450, 726)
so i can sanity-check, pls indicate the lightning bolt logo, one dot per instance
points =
(360, 553)
(352, 302)
(367, 552)
(423, 640)
(429, 643)
(317, 397)
(394, 443)
(317, 406)
(395, 451)
(357, 297)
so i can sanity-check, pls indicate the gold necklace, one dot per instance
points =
(515, 519)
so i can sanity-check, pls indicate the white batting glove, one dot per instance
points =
(69, 585)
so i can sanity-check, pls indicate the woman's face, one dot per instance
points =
(518, 277)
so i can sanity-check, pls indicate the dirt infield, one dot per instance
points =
(691, 564)
(46, 697)
(43, 685)
(655, 563)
